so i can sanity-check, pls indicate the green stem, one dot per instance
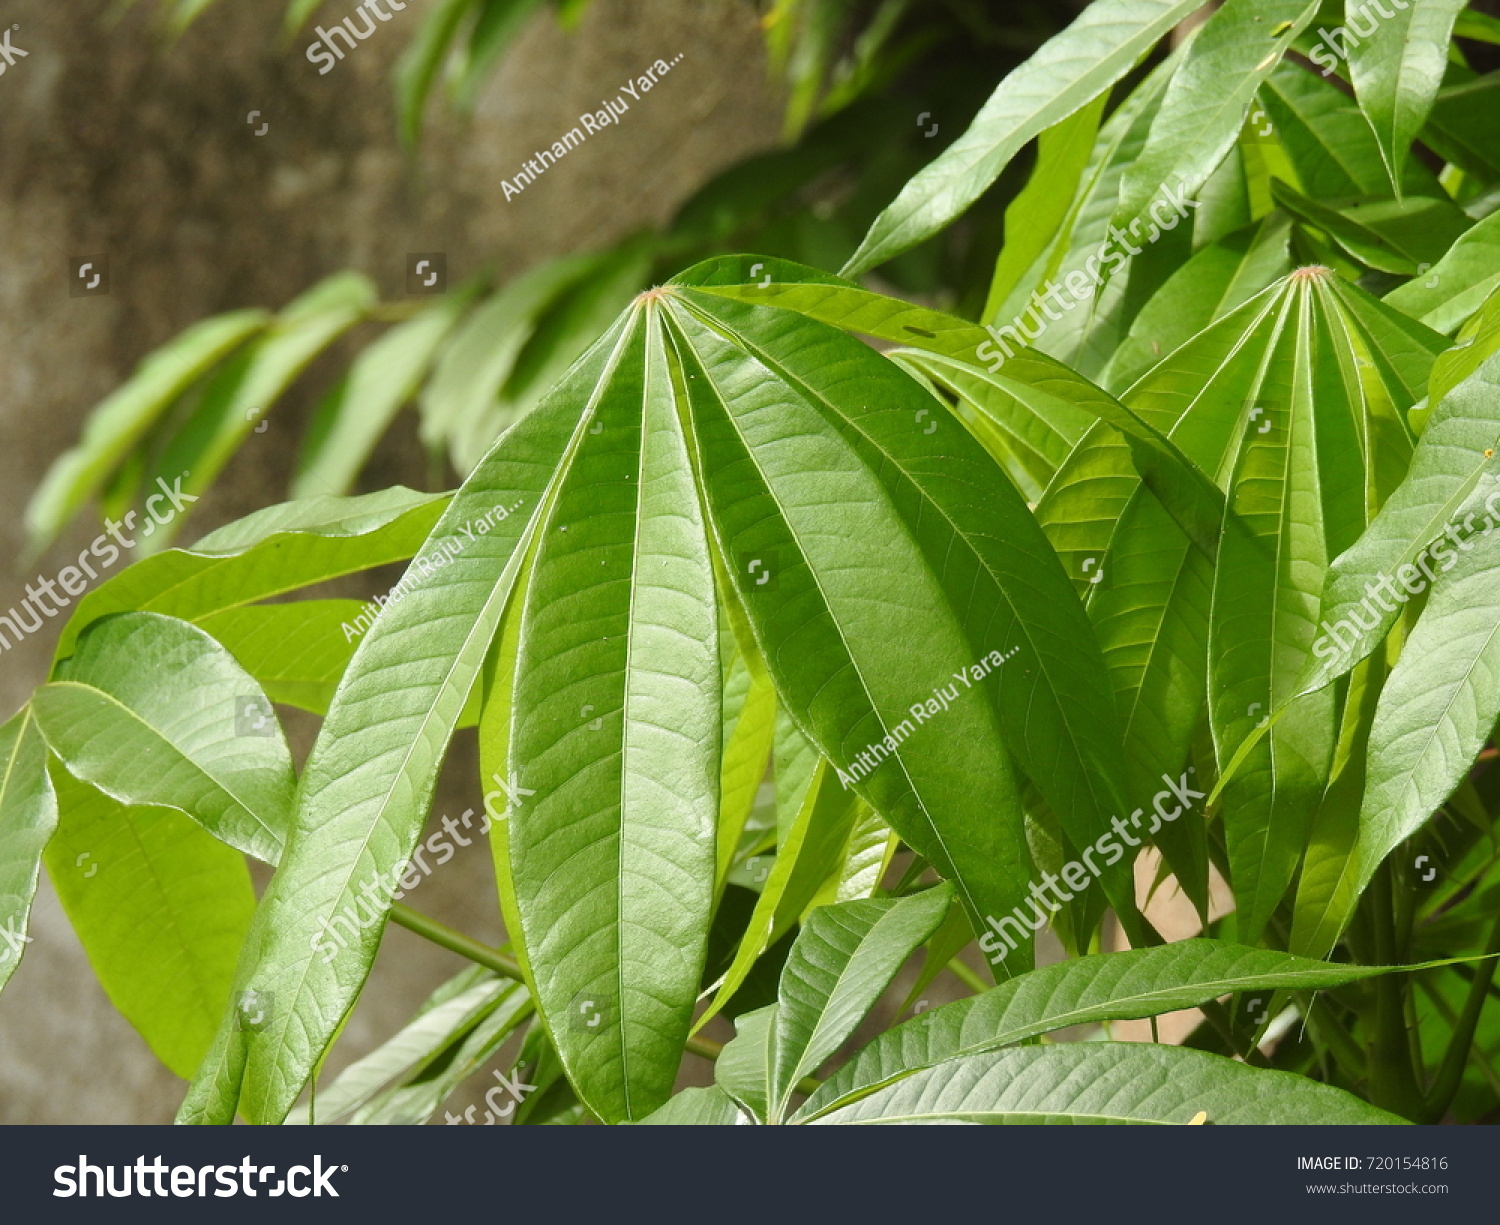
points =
(966, 975)
(1393, 1082)
(1450, 1074)
(508, 967)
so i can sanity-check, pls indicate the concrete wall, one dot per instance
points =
(111, 142)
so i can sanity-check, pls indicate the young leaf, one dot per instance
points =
(841, 963)
(743, 1069)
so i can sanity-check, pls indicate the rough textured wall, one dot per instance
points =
(112, 143)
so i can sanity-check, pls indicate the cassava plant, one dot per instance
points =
(1174, 560)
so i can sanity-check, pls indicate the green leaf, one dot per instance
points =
(418, 66)
(296, 652)
(382, 379)
(841, 963)
(850, 674)
(1460, 128)
(124, 418)
(1407, 537)
(1106, 1082)
(552, 340)
(1328, 140)
(1069, 71)
(1221, 277)
(1040, 210)
(1207, 101)
(482, 354)
(822, 821)
(273, 551)
(614, 863)
(28, 816)
(495, 28)
(1083, 991)
(446, 1016)
(298, 12)
(153, 712)
(243, 390)
(1388, 235)
(1321, 445)
(161, 909)
(1441, 703)
(1445, 296)
(743, 1069)
(370, 777)
(418, 1100)
(710, 1107)
(1398, 70)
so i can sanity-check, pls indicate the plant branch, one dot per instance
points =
(1450, 1073)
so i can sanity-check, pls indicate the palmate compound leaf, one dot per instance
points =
(1105, 1082)
(797, 441)
(1293, 403)
(1087, 990)
(1069, 71)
